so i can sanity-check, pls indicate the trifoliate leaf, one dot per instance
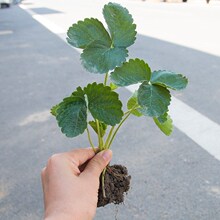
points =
(153, 99)
(131, 72)
(120, 24)
(101, 52)
(83, 33)
(98, 58)
(72, 116)
(102, 127)
(133, 103)
(53, 110)
(166, 127)
(169, 79)
(104, 103)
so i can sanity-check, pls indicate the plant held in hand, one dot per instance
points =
(105, 52)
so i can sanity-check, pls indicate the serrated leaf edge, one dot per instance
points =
(169, 100)
(164, 85)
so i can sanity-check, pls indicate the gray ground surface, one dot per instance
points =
(172, 178)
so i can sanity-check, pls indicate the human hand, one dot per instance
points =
(70, 184)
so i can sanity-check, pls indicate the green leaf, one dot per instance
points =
(85, 32)
(72, 116)
(101, 52)
(113, 86)
(53, 110)
(166, 127)
(153, 99)
(79, 93)
(102, 127)
(162, 118)
(131, 72)
(120, 24)
(133, 103)
(104, 103)
(98, 58)
(169, 79)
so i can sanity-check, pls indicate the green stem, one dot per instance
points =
(136, 107)
(90, 140)
(120, 124)
(99, 135)
(125, 113)
(103, 183)
(108, 138)
(106, 79)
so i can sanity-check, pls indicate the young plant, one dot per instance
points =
(105, 52)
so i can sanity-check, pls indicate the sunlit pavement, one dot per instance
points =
(174, 178)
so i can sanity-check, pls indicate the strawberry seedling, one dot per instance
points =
(105, 52)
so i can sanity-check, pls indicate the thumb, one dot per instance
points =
(98, 163)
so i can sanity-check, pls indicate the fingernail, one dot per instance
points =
(107, 155)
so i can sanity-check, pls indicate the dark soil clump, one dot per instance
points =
(117, 182)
